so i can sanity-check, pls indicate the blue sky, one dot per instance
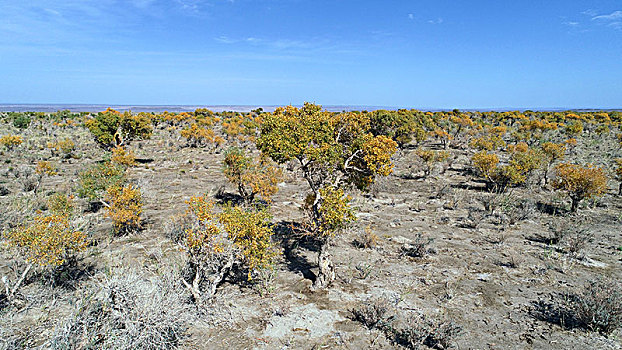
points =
(420, 54)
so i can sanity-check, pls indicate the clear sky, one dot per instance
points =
(420, 54)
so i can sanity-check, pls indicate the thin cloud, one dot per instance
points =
(436, 21)
(610, 17)
(411, 16)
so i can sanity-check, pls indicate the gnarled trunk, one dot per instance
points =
(205, 278)
(326, 274)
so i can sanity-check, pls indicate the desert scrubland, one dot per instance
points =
(309, 229)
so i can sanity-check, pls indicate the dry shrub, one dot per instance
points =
(128, 312)
(596, 307)
(367, 239)
(418, 248)
(599, 306)
(408, 329)
(372, 313)
(422, 330)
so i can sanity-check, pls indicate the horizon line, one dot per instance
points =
(95, 107)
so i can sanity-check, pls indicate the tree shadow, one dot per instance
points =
(554, 313)
(67, 276)
(290, 237)
(548, 208)
(470, 187)
(411, 176)
(229, 198)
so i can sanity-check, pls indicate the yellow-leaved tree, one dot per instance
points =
(334, 151)
(579, 182)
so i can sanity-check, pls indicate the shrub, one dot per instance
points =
(397, 125)
(94, 181)
(580, 182)
(487, 142)
(111, 128)
(45, 168)
(126, 312)
(21, 121)
(618, 174)
(251, 176)
(417, 249)
(124, 208)
(333, 151)
(123, 157)
(523, 162)
(251, 232)
(65, 146)
(575, 128)
(216, 243)
(422, 330)
(431, 157)
(372, 314)
(485, 164)
(599, 306)
(61, 204)
(552, 153)
(11, 141)
(200, 136)
(47, 241)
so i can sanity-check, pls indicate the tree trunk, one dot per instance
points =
(326, 274)
(620, 189)
(206, 280)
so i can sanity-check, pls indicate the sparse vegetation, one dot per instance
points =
(283, 203)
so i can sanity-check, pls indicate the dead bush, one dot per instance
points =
(597, 307)
(366, 239)
(418, 248)
(422, 330)
(127, 312)
(372, 313)
(409, 329)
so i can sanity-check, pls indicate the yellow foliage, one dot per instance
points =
(65, 146)
(378, 151)
(10, 141)
(485, 164)
(45, 168)
(125, 207)
(580, 182)
(198, 136)
(250, 231)
(251, 176)
(335, 211)
(48, 240)
(123, 157)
